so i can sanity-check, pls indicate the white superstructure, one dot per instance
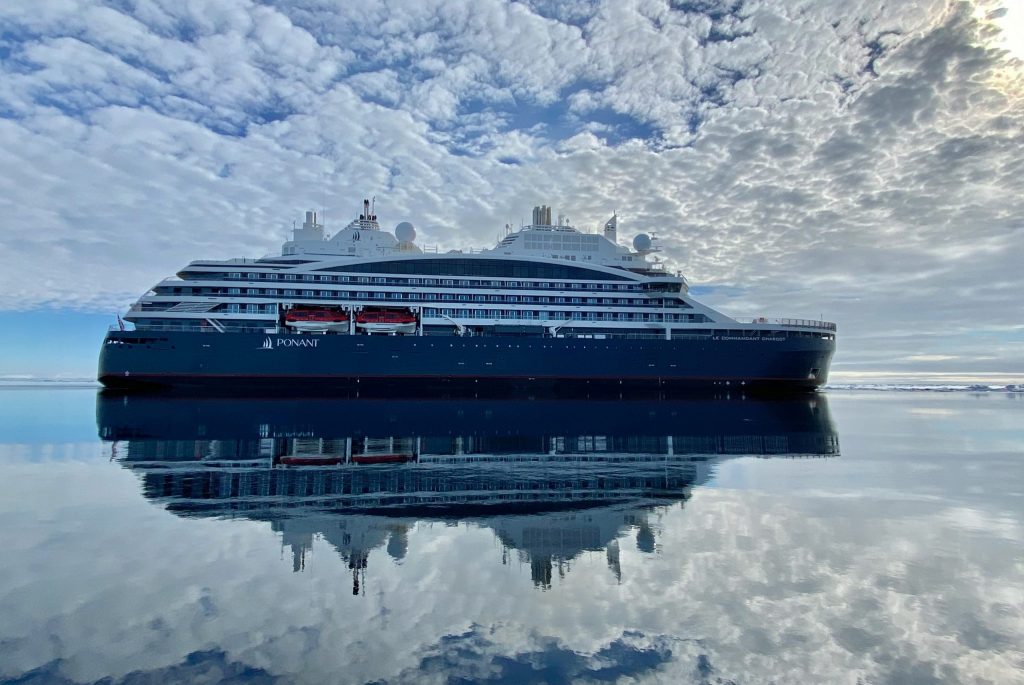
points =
(543, 278)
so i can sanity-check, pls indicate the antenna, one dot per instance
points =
(373, 205)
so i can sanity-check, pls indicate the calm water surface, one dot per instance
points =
(847, 538)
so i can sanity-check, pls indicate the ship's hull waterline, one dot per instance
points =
(772, 359)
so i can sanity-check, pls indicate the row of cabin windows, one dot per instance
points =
(525, 315)
(427, 297)
(574, 316)
(508, 314)
(413, 281)
(194, 324)
(251, 308)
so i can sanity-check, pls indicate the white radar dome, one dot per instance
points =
(642, 242)
(405, 232)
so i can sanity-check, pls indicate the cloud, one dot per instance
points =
(858, 161)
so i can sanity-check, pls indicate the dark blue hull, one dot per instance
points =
(779, 360)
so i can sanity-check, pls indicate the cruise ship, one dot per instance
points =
(548, 305)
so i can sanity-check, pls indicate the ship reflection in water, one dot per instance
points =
(552, 479)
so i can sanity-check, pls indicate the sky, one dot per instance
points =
(853, 160)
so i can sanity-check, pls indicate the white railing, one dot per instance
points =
(794, 323)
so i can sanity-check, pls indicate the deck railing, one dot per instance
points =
(794, 323)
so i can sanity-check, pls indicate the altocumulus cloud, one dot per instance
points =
(857, 159)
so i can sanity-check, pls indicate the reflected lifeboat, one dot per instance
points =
(382, 458)
(318, 460)
(316, 319)
(386, 321)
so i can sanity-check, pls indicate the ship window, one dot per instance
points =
(289, 277)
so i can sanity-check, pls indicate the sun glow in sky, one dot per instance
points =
(1009, 19)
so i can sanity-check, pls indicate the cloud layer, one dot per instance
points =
(857, 160)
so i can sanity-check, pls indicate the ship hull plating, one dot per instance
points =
(779, 360)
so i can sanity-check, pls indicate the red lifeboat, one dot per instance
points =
(316, 319)
(386, 321)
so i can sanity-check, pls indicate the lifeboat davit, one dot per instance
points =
(316, 319)
(386, 321)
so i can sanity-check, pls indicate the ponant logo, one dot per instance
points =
(269, 343)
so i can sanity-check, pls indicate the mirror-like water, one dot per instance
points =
(873, 538)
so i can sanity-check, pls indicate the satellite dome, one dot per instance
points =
(405, 232)
(642, 242)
